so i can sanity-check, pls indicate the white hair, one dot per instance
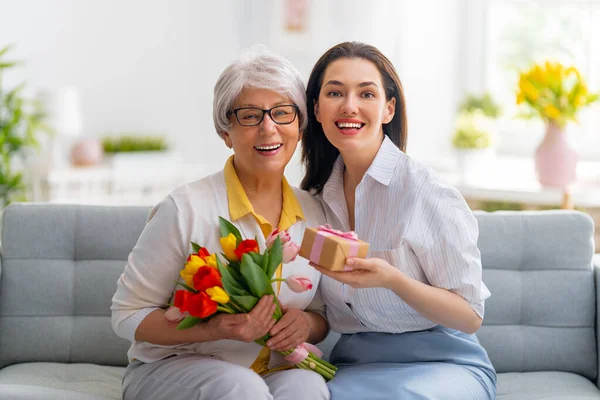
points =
(257, 68)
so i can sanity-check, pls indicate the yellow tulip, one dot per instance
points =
(229, 244)
(551, 112)
(553, 91)
(191, 267)
(218, 294)
(538, 74)
(573, 70)
(211, 261)
(530, 92)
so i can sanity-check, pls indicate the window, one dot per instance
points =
(517, 33)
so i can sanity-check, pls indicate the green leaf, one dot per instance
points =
(195, 247)
(231, 286)
(256, 279)
(246, 302)
(265, 263)
(5, 49)
(275, 257)
(234, 270)
(257, 258)
(227, 228)
(188, 322)
(191, 289)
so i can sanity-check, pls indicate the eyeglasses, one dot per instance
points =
(251, 116)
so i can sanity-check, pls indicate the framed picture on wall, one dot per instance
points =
(291, 25)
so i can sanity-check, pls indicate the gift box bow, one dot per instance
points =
(326, 230)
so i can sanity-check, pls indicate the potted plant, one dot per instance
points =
(20, 120)
(555, 94)
(483, 103)
(472, 141)
(128, 149)
(473, 132)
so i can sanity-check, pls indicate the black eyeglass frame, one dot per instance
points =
(268, 111)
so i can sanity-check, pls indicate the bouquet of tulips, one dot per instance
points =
(236, 283)
(553, 92)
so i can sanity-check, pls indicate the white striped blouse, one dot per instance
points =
(418, 224)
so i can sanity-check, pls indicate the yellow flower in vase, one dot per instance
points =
(553, 92)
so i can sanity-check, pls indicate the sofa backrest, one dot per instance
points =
(60, 265)
(538, 268)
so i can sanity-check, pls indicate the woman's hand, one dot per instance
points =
(290, 331)
(245, 327)
(364, 273)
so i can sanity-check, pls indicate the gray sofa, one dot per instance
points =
(60, 264)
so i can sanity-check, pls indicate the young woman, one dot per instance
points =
(408, 313)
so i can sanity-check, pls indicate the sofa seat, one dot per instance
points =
(60, 381)
(545, 385)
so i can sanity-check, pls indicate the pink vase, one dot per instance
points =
(555, 159)
(87, 152)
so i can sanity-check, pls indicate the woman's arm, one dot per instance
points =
(156, 329)
(438, 305)
(147, 284)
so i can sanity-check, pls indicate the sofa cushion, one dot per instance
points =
(60, 266)
(541, 314)
(545, 385)
(60, 381)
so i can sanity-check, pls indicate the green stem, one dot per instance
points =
(322, 367)
(278, 310)
(235, 306)
(328, 365)
(225, 309)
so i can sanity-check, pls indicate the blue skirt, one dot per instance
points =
(437, 363)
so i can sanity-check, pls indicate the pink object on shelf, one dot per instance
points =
(87, 152)
(555, 159)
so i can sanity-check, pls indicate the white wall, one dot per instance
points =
(150, 65)
(429, 65)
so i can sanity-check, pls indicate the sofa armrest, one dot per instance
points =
(596, 265)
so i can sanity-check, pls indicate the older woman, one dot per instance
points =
(259, 112)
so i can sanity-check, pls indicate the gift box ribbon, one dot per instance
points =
(326, 230)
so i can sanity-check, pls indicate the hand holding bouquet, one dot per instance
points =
(236, 285)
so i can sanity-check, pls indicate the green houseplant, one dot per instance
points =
(130, 143)
(473, 131)
(20, 120)
(130, 150)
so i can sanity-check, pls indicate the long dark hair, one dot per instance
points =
(318, 154)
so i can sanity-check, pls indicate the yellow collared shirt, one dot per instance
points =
(240, 206)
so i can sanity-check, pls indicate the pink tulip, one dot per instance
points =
(173, 314)
(290, 251)
(298, 283)
(283, 235)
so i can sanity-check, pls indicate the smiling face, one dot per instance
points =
(352, 105)
(265, 148)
